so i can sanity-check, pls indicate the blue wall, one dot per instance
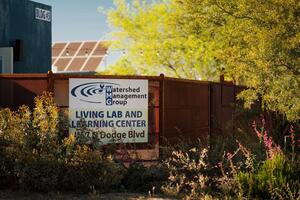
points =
(18, 22)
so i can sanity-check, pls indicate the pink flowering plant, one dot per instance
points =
(271, 177)
(266, 140)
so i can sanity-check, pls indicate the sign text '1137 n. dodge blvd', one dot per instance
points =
(109, 110)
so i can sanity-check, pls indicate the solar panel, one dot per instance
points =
(78, 56)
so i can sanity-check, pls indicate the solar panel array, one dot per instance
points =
(78, 56)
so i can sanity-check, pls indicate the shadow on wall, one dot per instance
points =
(14, 93)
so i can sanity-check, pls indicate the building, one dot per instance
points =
(25, 37)
(84, 56)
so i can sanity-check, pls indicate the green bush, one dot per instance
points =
(247, 173)
(272, 174)
(188, 173)
(140, 178)
(42, 174)
(246, 176)
(36, 153)
(86, 170)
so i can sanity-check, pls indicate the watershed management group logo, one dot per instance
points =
(94, 92)
(107, 93)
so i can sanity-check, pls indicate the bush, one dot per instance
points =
(259, 171)
(275, 173)
(140, 178)
(86, 170)
(188, 173)
(272, 177)
(37, 154)
(42, 174)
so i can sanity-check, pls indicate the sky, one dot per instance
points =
(77, 20)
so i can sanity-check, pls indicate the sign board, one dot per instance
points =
(42, 14)
(109, 110)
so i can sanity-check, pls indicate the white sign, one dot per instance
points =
(42, 14)
(109, 110)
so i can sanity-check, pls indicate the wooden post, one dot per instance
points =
(161, 112)
(50, 82)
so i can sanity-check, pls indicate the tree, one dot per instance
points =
(261, 46)
(154, 44)
(256, 42)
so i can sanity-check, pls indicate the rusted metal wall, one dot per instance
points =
(178, 109)
(186, 110)
(197, 110)
(17, 90)
(223, 102)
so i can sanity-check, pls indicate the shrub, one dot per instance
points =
(86, 169)
(140, 178)
(250, 177)
(272, 174)
(187, 173)
(36, 153)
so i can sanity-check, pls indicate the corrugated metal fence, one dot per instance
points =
(178, 109)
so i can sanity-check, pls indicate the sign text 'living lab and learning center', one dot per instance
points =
(110, 110)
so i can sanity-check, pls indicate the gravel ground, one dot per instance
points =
(10, 195)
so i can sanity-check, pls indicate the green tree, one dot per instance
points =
(154, 44)
(261, 46)
(257, 43)
(121, 67)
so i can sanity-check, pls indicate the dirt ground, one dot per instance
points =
(18, 195)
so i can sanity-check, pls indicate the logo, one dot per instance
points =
(93, 92)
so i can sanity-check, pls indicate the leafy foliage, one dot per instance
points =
(155, 44)
(257, 169)
(272, 173)
(251, 176)
(187, 173)
(254, 43)
(144, 179)
(36, 154)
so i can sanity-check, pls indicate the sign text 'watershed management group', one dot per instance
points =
(109, 110)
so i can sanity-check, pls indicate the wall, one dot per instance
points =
(6, 60)
(181, 110)
(18, 22)
(17, 89)
(186, 110)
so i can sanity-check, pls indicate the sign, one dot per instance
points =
(44, 15)
(109, 110)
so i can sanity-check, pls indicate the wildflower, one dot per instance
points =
(220, 164)
(253, 125)
(268, 141)
(259, 135)
(292, 134)
(229, 156)
(193, 149)
(263, 121)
